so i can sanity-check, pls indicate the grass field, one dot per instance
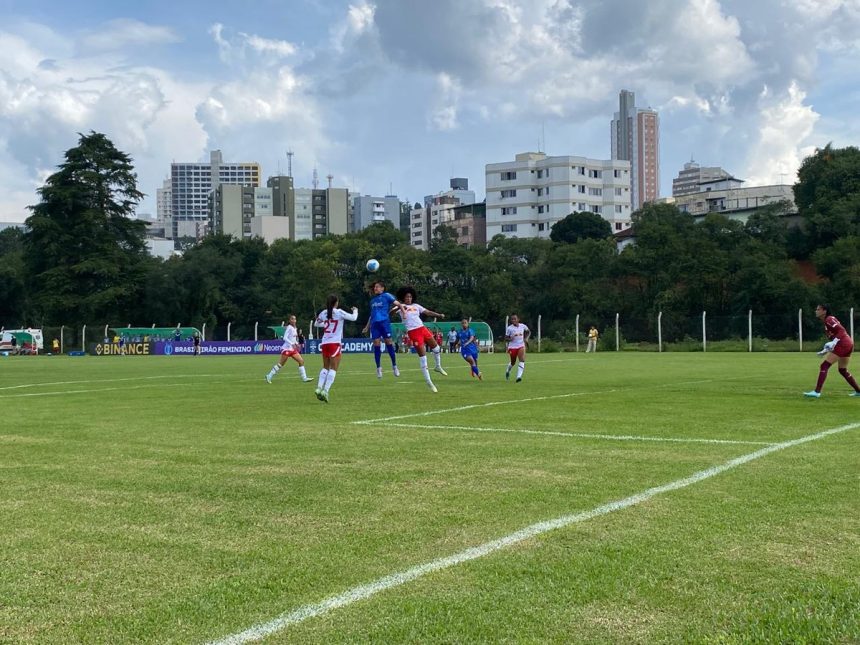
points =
(184, 500)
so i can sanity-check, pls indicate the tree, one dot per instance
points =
(83, 253)
(580, 226)
(827, 194)
(12, 291)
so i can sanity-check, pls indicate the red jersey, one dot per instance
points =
(834, 329)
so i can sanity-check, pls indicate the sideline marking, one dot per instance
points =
(361, 592)
(99, 389)
(105, 380)
(582, 435)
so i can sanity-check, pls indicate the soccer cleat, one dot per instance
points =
(269, 379)
(324, 396)
(432, 388)
(396, 370)
(304, 380)
(508, 375)
(813, 394)
(854, 394)
(480, 376)
(440, 370)
(318, 393)
(519, 379)
(378, 372)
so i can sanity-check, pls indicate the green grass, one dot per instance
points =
(182, 499)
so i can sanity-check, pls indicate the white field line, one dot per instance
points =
(350, 596)
(98, 389)
(478, 405)
(105, 380)
(582, 435)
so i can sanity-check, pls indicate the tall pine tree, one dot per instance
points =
(84, 255)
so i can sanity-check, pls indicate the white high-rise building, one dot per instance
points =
(635, 135)
(368, 210)
(191, 184)
(527, 196)
(691, 178)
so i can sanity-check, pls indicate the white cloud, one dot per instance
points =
(124, 32)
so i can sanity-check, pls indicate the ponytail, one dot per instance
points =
(330, 304)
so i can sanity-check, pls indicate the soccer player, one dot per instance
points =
(469, 347)
(410, 313)
(290, 349)
(839, 348)
(379, 326)
(516, 335)
(197, 342)
(592, 340)
(331, 319)
(452, 340)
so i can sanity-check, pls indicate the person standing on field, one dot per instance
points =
(516, 335)
(331, 319)
(290, 349)
(592, 340)
(838, 348)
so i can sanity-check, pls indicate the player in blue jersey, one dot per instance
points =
(469, 347)
(379, 325)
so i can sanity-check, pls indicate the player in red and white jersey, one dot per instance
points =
(331, 319)
(516, 335)
(290, 349)
(838, 348)
(410, 312)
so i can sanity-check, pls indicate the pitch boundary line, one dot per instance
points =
(100, 389)
(361, 592)
(105, 380)
(582, 435)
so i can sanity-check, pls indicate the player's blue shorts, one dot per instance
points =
(469, 352)
(380, 329)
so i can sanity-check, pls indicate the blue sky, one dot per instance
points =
(405, 94)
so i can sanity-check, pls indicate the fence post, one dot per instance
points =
(106, 331)
(704, 333)
(851, 319)
(84, 339)
(577, 332)
(660, 332)
(62, 339)
(800, 327)
(749, 327)
(256, 325)
(617, 334)
(539, 317)
(203, 333)
(229, 324)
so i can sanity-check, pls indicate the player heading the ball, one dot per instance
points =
(379, 325)
(410, 312)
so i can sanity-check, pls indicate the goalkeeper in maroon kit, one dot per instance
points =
(838, 348)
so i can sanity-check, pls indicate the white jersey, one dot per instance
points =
(291, 339)
(334, 328)
(412, 316)
(517, 335)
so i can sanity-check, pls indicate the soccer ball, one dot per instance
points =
(372, 265)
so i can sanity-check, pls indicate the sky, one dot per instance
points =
(401, 95)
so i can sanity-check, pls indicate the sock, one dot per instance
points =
(322, 378)
(275, 370)
(422, 361)
(329, 379)
(437, 355)
(520, 369)
(302, 372)
(847, 376)
(475, 369)
(822, 375)
(508, 370)
(392, 354)
(377, 354)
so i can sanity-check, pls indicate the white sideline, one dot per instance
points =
(98, 389)
(105, 380)
(582, 435)
(361, 592)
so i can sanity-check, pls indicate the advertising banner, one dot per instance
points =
(246, 347)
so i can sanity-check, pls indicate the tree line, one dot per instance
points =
(82, 260)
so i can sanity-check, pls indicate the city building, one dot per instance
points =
(419, 225)
(232, 208)
(320, 211)
(191, 184)
(368, 210)
(693, 175)
(635, 134)
(438, 209)
(729, 197)
(470, 224)
(525, 197)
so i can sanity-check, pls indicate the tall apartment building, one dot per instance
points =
(368, 210)
(191, 184)
(525, 197)
(635, 134)
(438, 209)
(164, 201)
(690, 179)
(319, 212)
(233, 208)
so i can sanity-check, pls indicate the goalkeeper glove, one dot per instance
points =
(828, 347)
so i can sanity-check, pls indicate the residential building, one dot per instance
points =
(635, 135)
(232, 208)
(191, 184)
(320, 211)
(368, 210)
(525, 197)
(270, 228)
(470, 224)
(728, 197)
(419, 225)
(438, 210)
(693, 175)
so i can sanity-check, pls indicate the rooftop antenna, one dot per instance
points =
(329, 177)
(390, 188)
(316, 179)
(543, 136)
(290, 154)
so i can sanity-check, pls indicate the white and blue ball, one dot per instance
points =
(372, 265)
